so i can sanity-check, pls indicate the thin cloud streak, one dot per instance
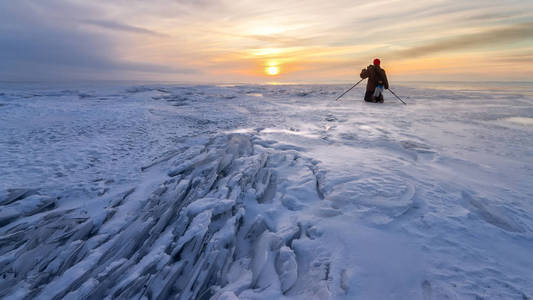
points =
(519, 32)
(116, 26)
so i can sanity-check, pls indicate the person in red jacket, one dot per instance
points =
(377, 82)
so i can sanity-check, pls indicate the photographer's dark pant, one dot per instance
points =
(369, 97)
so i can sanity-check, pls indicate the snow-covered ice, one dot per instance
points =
(265, 192)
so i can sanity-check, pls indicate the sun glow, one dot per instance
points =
(272, 70)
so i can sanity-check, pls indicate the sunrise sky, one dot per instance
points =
(264, 41)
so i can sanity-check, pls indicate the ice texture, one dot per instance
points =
(264, 192)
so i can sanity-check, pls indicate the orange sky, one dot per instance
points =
(245, 40)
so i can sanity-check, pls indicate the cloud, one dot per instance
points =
(495, 37)
(283, 41)
(124, 38)
(151, 68)
(116, 26)
(522, 58)
(38, 42)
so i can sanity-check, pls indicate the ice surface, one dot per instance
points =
(264, 192)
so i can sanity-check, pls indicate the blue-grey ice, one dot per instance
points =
(264, 192)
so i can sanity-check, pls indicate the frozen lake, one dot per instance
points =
(266, 192)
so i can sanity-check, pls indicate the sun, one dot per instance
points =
(272, 70)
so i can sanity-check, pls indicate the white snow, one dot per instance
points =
(265, 192)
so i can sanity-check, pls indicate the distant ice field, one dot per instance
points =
(266, 192)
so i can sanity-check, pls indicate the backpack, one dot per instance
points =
(378, 74)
